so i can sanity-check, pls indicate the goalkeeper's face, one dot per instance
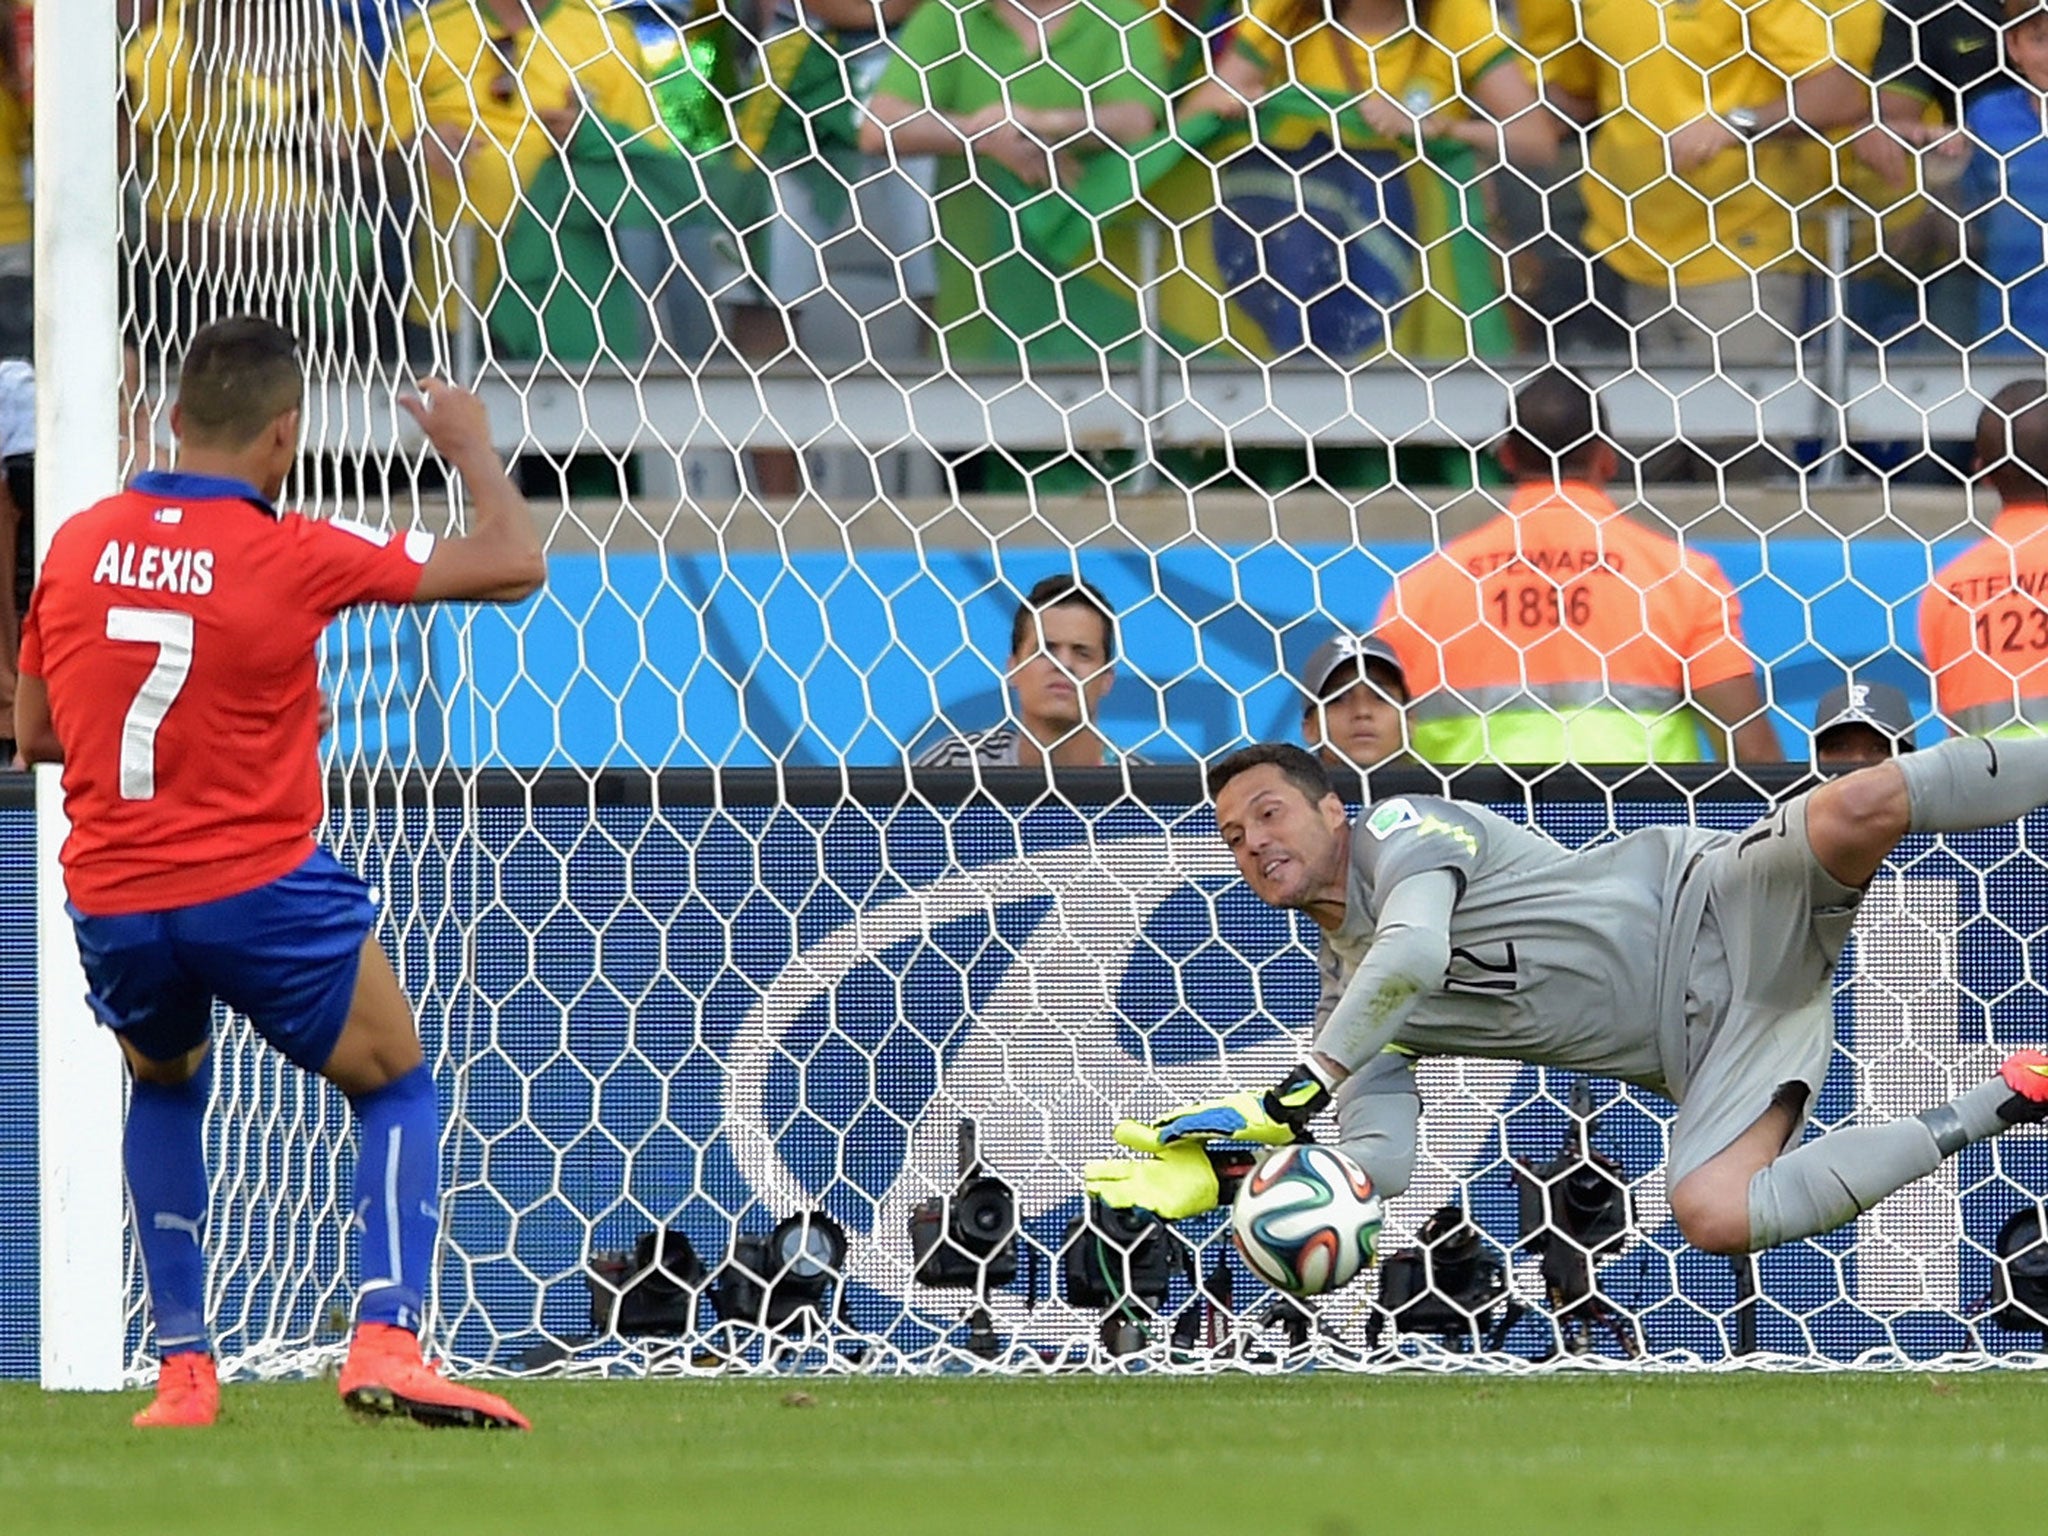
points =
(1290, 849)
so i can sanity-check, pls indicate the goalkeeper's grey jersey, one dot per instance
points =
(1563, 958)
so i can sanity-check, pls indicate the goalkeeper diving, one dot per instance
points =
(1697, 964)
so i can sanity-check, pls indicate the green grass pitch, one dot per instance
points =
(1325, 1455)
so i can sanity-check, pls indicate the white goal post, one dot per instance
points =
(78, 355)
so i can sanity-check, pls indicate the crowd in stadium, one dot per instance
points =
(1340, 177)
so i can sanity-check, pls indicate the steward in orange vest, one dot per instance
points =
(1984, 621)
(1563, 631)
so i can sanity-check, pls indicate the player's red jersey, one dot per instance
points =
(175, 626)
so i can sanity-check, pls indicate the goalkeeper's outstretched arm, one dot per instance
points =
(1411, 948)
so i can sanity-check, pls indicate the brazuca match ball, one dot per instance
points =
(1306, 1219)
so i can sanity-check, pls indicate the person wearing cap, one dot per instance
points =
(1984, 621)
(1860, 723)
(1563, 631)
(1062, 663)
(1355, 702)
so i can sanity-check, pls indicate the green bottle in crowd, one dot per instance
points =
(693, 67)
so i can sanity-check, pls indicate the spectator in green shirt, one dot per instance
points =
(1016, 96)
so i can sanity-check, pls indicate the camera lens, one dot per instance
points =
(1123, 1227)
(984, 1217)
(808, 1247)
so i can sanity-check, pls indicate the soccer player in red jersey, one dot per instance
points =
(168, 663)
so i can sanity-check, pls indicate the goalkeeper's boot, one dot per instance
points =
(187, 1393)
(2026, 1074)
(384, 1374)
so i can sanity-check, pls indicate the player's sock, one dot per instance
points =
(164, 1152)
(1970, 782)
(397, 1197)
(1836, 1178)
(2018, 1095)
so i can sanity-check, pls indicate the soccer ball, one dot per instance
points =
(1306, 1219)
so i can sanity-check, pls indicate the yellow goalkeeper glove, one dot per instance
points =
(1185, 1179)
(1274, 1118)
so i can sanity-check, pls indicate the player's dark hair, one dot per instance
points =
(2012, 441)
(1555, 427)
(238, 377)
(1304, 770)
(1062, 592)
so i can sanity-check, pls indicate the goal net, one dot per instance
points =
(717, 988)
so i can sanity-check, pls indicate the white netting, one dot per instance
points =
(808, 398)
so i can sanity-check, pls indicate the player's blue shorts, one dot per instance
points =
(284, 954)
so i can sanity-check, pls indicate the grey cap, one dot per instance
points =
(1880, 706)
(1342, 650)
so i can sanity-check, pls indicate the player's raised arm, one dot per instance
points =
(500, 559)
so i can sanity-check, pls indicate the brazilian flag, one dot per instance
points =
(801, 115)
(563, 293)
(1083, 231)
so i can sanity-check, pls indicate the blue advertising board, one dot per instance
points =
(20, 1241)
(735, 659)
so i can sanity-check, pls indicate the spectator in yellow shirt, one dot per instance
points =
(1704, 120)
(247, 115)
(1449, 68)
(477, 95)
(17, 228)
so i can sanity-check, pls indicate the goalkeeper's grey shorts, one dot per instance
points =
(1759, 1005)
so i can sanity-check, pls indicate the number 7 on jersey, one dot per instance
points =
(171, 634)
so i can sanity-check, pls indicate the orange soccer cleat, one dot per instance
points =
(2026, 1074)
(187, 1394)
(384, 1374)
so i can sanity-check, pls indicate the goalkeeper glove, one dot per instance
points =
(1273, 1118)
(1185, 1179)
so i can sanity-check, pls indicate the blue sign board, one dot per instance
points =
(822, 659)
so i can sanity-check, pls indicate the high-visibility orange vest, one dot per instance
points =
(1984, 629)
(1562, 631)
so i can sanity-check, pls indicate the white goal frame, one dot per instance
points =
(78, 354)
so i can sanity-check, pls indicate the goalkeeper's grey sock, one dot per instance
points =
(1977, 1115)
(1819, 1186)
(1969, 782)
